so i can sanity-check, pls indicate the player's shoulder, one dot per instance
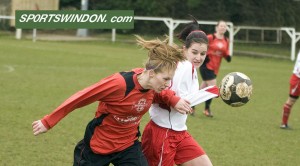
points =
(185, 68)
(130, 73)
(185, 65)
(210, 36)
(137, 70)
(115, 78)
(127, 77)
(123, 77)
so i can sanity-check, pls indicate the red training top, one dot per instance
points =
(125, 102)
(217, 49)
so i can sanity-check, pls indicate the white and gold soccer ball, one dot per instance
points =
(235, 89)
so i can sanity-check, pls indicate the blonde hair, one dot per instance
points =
(161, 55)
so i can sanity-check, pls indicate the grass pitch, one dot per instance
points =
(36, 77)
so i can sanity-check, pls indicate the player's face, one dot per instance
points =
(196, 53)
(221, 28)
(161, 80)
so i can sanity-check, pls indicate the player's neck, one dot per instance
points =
(143, 80)
(219, 36)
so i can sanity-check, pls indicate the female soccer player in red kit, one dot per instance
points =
(294, 94)
(218, 48)
(112, 135)
(165, 139)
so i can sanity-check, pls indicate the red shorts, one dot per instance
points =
(294, 85)
(166, 146)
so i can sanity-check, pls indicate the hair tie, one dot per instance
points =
(197, 31)
(197, 36)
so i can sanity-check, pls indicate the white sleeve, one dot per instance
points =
(204, 94)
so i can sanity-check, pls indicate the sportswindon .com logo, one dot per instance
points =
(93, 19)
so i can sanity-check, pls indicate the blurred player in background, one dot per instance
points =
(165, 140)
(293, 94)
(218, 48)
(112, 135)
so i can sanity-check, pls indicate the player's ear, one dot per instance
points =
(151, 73)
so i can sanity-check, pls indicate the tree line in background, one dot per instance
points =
(269, 13)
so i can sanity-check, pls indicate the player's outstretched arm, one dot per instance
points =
(38, 128)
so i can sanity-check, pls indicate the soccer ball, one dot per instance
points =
(235, 89)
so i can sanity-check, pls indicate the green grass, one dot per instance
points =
(279, 50)
(36, 77)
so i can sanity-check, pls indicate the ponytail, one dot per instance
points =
(160, 55)
(192, 33)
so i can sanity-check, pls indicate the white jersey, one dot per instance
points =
(185, 84)
(296, 70)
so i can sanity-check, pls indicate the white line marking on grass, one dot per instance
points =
(8, 68)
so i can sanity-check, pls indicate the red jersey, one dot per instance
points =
(124, 101)
(217, 48)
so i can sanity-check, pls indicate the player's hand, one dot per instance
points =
(228, 58)
(183, 107)
(38, 127)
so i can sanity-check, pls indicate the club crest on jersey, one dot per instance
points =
(220, 45)
(140, 105)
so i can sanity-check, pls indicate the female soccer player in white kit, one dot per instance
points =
(165, 140)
